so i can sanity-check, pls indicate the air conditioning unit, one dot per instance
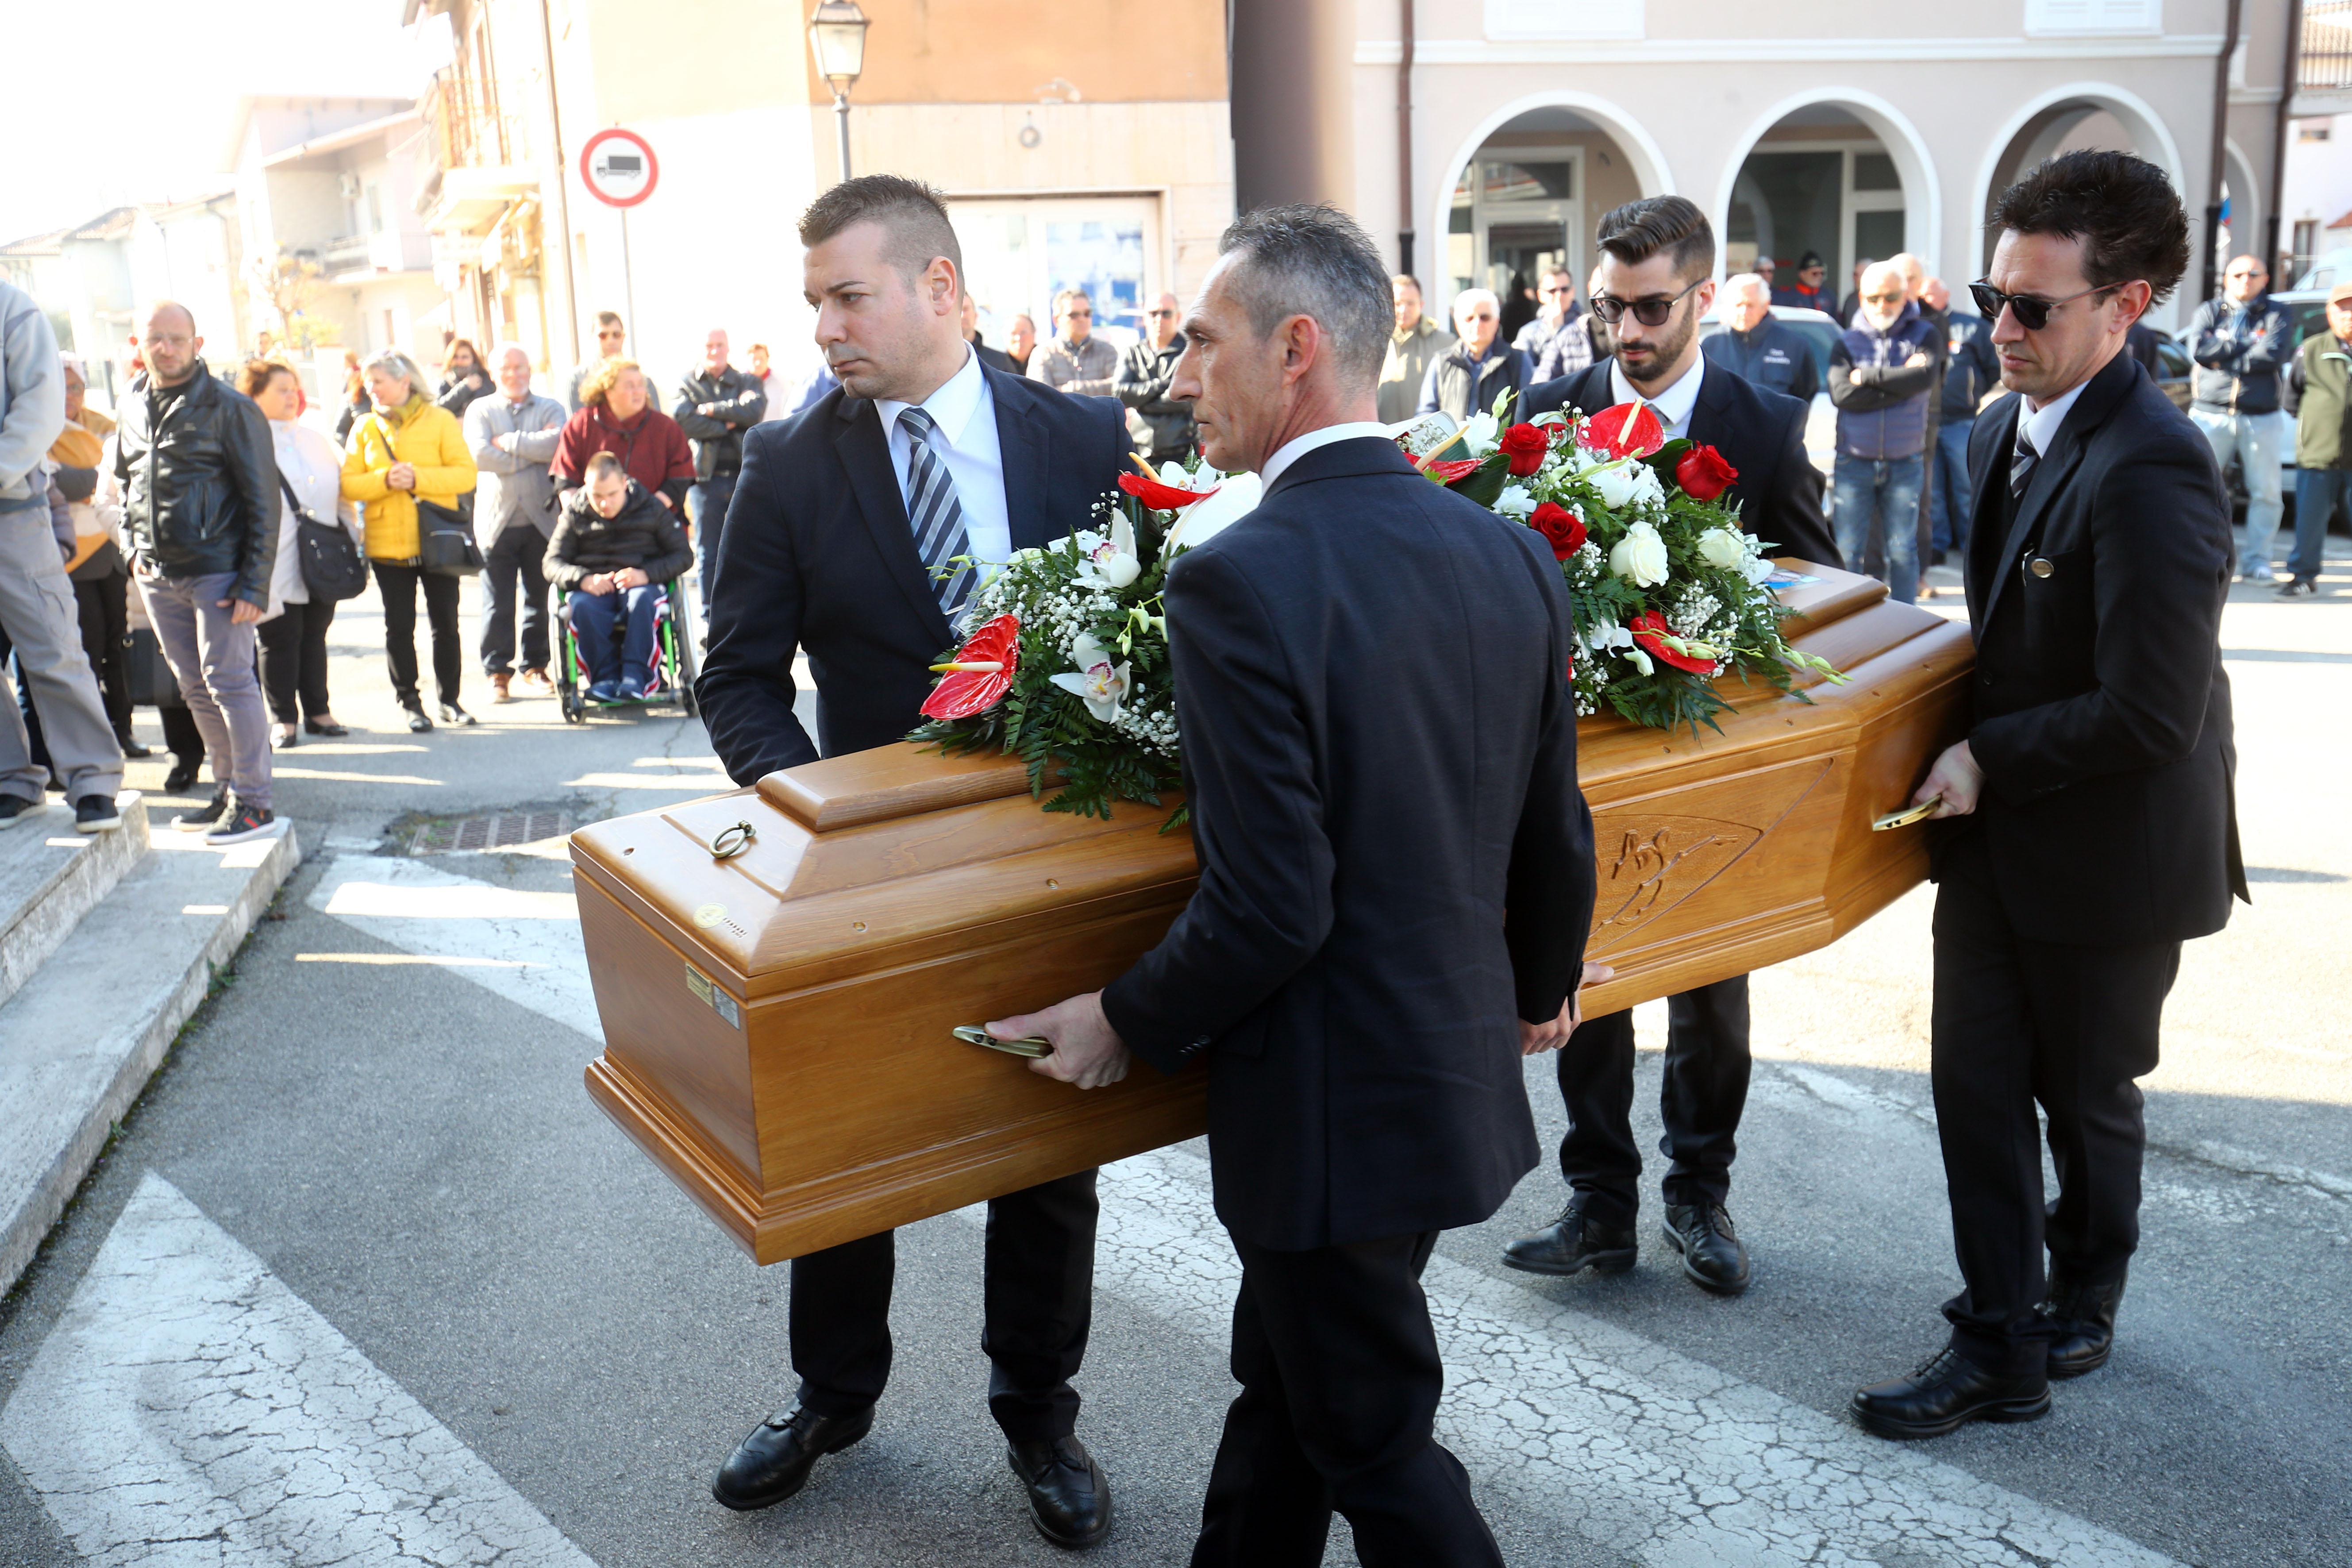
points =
(350, 183)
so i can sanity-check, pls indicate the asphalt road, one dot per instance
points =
(367, 1279)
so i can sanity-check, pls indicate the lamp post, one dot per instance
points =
(837, 35)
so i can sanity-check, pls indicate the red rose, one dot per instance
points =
(1560, 526)
(1702, 474)
(1650, 631)
(1525, 446)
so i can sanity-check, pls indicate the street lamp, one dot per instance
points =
(837, 35)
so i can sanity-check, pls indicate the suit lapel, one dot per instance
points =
(1024, 447)
(866, 456)
(2056, 467)
(1991, 507)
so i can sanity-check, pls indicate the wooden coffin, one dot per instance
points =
(777, 1023)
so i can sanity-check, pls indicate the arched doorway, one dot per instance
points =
(1527, 190)
(2082, 115)
(1839, 173)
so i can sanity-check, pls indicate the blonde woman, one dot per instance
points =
(406, 450)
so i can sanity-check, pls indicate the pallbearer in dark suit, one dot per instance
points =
(2093, 827)
(845, 524)
(1380, 747)
(1654, 285)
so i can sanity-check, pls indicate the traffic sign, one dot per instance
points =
(619, 167)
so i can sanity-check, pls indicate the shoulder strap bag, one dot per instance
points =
(333, 567)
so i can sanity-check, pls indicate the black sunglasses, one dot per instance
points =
(1650, 312)
(2033, 312)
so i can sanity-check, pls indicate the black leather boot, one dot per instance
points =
(1070, 1495)
(773, 1462)
(1947, 1394)
(1713, 1254)
(2083, 1318)
(1572, 1243)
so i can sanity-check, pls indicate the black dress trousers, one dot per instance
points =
(1341, 1376)
(1706, 1090)
(1038, 1289)
(2017, 1023)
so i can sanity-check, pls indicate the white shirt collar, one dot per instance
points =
(950, 406)
(1299, 446)
(1674, 405)
(2041, 425)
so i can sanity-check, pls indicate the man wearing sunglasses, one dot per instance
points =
(2241, 343)
(1653, 285)
(2092, 829)
(1883, 370)
(1161, 425)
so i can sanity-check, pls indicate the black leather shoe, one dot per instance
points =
(418, 723)
(1069, 1496)
(453, 714)
(132, 749)
(1571, 1244)
(182, 776)
(2084, 1319)
(1945, 1395)
(773, 1462)
(1713, 1254)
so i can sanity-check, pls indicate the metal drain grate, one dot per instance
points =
(499, 830)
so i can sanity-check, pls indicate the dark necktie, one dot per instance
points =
(2021, 465)
(936, 515)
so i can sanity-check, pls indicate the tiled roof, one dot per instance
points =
(34, 244)
(112, 224)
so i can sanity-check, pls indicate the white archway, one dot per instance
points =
(1641, 150)
(2245, 207)
(1923, 193)
(2148, 128)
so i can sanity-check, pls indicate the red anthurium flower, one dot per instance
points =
(1525, 446)
(1561, 528)
(1628, 430)
(1446, 473)
(1703, 473)
(980, 674)
(1650, 633)
(1160, 497)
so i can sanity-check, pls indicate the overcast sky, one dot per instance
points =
(153, 130)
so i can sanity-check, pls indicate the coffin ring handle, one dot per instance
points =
(733, 841)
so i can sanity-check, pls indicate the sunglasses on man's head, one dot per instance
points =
(2033, 312)
(1651, 312)
(1561, 288)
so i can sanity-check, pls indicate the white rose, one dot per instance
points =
(1515, 501)
(1615, 484)
(1722, 548)
(1640, 557)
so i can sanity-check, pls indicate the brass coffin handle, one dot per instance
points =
(1908, 814)
(734, 842)
(1031, 1046)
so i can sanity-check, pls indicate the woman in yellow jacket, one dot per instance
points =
(405, 450)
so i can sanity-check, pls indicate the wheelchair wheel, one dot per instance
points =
(569, 696)
(684, 666)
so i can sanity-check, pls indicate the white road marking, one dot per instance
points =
(190, 1409)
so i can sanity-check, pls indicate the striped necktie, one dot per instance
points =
(2021, 465)
(936, 515)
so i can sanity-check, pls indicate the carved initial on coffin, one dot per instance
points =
(1659, 862)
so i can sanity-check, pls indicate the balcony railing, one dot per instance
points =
(348, 253)
(467, 130)
(2327, 46)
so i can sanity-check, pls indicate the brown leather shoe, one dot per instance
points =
(498, 692)
(535, 682)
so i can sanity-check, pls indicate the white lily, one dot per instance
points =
(1479, 433)
(1113, 559)
(1237, 496)
(1098, 683)
(1515, 502)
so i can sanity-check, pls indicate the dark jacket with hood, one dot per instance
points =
(1882, 400)
(199, 479)
(644, 534)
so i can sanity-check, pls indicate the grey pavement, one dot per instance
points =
(366, 1273)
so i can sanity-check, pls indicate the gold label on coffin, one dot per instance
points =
(1650, 867)
(709, 915)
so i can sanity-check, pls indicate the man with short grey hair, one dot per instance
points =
(1076, 361)
(1414, 340)
(513, 435)
(1365, 1081)
(36, 602)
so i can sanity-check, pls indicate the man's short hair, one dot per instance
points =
(1738, 282)
(1405, 280)
(1548, 273)
(1066, 298)
(1638, 230)
(2122, 208)
(914, 218)
(1471, 298)
(605, 464)
(1315, 260)
(608, 318)
(499, 352)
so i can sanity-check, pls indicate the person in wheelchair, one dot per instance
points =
(613, 547)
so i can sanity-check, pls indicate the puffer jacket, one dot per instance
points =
(740, 402)
(2240, 351)
(644, 534)
(1882, 401)
(200, 490)
(430, 440)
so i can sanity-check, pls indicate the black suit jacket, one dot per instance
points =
(1380, 745)
(818, 554)
(2102, 713)
(1759, 432)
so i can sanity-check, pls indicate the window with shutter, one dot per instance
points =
(2045, 17)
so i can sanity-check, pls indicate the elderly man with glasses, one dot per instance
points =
(1883, 371)
(2240, 343)
(1161, 425)
(1076, 361)
(1466, 378)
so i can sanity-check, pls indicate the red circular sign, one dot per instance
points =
(619, 167)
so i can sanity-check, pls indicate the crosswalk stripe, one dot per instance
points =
(189, 1408)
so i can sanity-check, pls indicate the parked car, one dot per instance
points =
(1819, 330)
(2308, 307)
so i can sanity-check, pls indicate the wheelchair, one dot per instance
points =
(669, 675)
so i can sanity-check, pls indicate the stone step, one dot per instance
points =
(84, 1033)
(52, 876)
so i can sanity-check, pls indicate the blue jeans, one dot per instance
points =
(2258, 439)
(592, 615)
(1949, 501)
(2318, 492)
(1876, 491)
(706, 508)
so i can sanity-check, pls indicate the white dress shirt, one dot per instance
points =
(1298, 447)
(1674, 406)
(963, 434)
(2041, 425)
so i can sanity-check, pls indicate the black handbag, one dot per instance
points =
(151, 682)
(445, 541)
(333, 567)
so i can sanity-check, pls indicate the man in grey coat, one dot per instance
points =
(36, 602)
(512, 436)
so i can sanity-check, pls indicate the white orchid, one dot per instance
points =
(1237, 496)
(1615, 483)
(1112, 561)
(1640, 661)
(1640, 557)
(1515, 502)
(1098, 683)
(1479, 433)
(1722, 548)
(1758, 570)
(1176, 476)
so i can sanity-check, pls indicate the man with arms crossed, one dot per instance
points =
(2094, 828)
(843, 539)
(1651, 289)
(1365, 1088)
